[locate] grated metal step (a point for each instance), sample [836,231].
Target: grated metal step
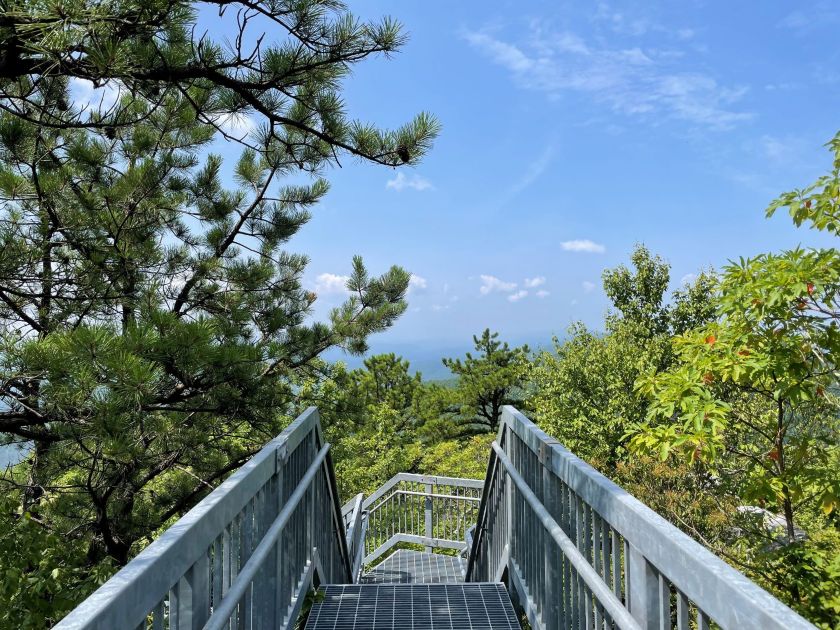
[470,606]
[416,567]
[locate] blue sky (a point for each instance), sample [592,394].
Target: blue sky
[571,131]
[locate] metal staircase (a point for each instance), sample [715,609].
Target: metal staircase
[543,537]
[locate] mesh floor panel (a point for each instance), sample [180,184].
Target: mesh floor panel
[471,606]
[416,567]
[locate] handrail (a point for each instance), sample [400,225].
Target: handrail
[232,544]
[657,573]
[355,535]
[221,615]
[428,510]
[602,592]
[475,540]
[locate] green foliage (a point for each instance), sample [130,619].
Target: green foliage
[155,329]
[583,393]
[283,67]
[382,420]
[41,579]
[752,395]
[487,382]
[368,417]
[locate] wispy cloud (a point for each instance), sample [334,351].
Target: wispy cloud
[533,172]
[331,284]
[515,297]
[588,287]
[542,293]
[635,81]
[400,182]
[532,283]
[637,25]
[583,245]
[417,284]
[820,15]
[491,284]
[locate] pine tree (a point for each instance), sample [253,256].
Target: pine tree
[487,382]
[154,322]
[281,62]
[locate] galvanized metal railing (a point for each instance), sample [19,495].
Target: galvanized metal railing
[579,552]
[245,556]
[435,512]
[355,524]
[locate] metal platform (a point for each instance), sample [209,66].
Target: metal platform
[416,567]
[474,606]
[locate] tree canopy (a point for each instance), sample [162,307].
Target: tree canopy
[283,65]
[155,322]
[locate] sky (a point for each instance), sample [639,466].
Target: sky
[572,131]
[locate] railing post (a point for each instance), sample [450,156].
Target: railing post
[551,576]
[429,528]
[279,564]
[643,589]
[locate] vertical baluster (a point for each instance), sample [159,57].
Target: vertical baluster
[174,606]
[615,543]
[683,611]
[550,557]
[279,556]
[157,621]
[664,603]
[216,593]
[606,559]
[597,538]
[245,553]
[429,524]
[574,594]
[702,620]
[198,578]
[564,563]
[643,589]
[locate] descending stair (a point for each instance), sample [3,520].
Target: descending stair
[416,567]
[412,590]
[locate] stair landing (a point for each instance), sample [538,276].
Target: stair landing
[464,606]
[413,590]
[416,567]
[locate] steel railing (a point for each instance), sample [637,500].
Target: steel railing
[245,556]
[579,552]
[435,512]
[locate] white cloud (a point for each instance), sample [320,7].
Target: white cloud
[583,245]
[415,182]
[819,15]
[416,284]
[688,279]
[504,54]
[440,307]
[86,96]
[489,284]
[634,81]
[533,172]
[237,125]
[330,283]
[515,297]
[542,293]
[588,287]
[533,283]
